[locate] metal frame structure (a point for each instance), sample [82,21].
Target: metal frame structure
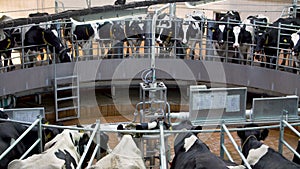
[162,138]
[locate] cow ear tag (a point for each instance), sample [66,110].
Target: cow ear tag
[284,40]
[213,30]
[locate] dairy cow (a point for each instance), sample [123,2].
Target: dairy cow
[193,30]
[267,42]
[37,38]
[295,46]
[244,36]
[191,152]
[7,42]
[223,37]
[168,31]
[135,35]
[125,155]
[11,131]
[260,155]
[64,151]
[81,34]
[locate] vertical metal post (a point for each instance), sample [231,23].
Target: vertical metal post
[40,134]
[98,139]
[222,141]
[295,8]
[163,159]
[281,137]
[278,44]
[152,58]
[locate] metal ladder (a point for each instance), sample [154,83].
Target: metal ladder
[64,110]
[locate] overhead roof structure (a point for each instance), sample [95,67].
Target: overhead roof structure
[89,13]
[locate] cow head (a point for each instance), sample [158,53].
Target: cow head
[243,34]
[94,31]
[185,140]
[295,43]
[260,40]
[247,136]
[51,38]
[117,31]
[151,125]
[192,26]
[3,115]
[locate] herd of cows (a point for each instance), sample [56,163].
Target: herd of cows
[230,38]
[64,148]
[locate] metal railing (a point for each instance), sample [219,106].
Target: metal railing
[202,50]
[37,122]
[95,135]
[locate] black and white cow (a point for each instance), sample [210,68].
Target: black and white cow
[112,37]
[135,35]
[191,152]
[168,35]
[244,35]
[259,155]
[64,151]
[37,38]
[125,155]
[222,35]
[81,34]
[11,131]
[295,46]
[267,41]
[193,30]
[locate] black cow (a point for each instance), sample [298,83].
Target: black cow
[259,155]
[7,42]
[81,34]
[38,38]
[192,153]
[295,158]
[267,41]
[11,131]
[193,30]
[222,35]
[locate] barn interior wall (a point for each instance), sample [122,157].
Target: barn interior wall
[22,8]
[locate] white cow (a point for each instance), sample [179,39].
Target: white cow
[125,155]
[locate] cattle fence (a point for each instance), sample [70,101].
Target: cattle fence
[223,129]
[171,47]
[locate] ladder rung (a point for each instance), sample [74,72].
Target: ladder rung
[67,118]
[66,88]
[67,108]
[65,77]
[67,98]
